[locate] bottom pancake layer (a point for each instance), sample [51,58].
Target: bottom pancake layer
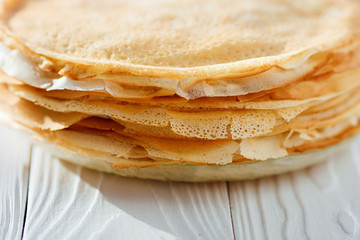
[203,173]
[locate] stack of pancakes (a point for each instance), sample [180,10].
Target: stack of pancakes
[184,90]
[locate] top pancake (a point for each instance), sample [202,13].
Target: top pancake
[179,39]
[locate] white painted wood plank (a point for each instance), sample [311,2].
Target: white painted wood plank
[14,169]
[70,202]
[322,202]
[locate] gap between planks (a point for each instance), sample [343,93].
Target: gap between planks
[27,192]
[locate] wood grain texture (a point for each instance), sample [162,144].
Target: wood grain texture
[322,202]
[15,150]
[70,202]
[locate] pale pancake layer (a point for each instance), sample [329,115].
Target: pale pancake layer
[205,124]
[15,64]
[150,84]
[104,135]
[238,44]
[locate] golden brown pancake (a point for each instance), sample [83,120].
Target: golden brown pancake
[184,90]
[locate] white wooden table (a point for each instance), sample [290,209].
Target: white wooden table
[42,197]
